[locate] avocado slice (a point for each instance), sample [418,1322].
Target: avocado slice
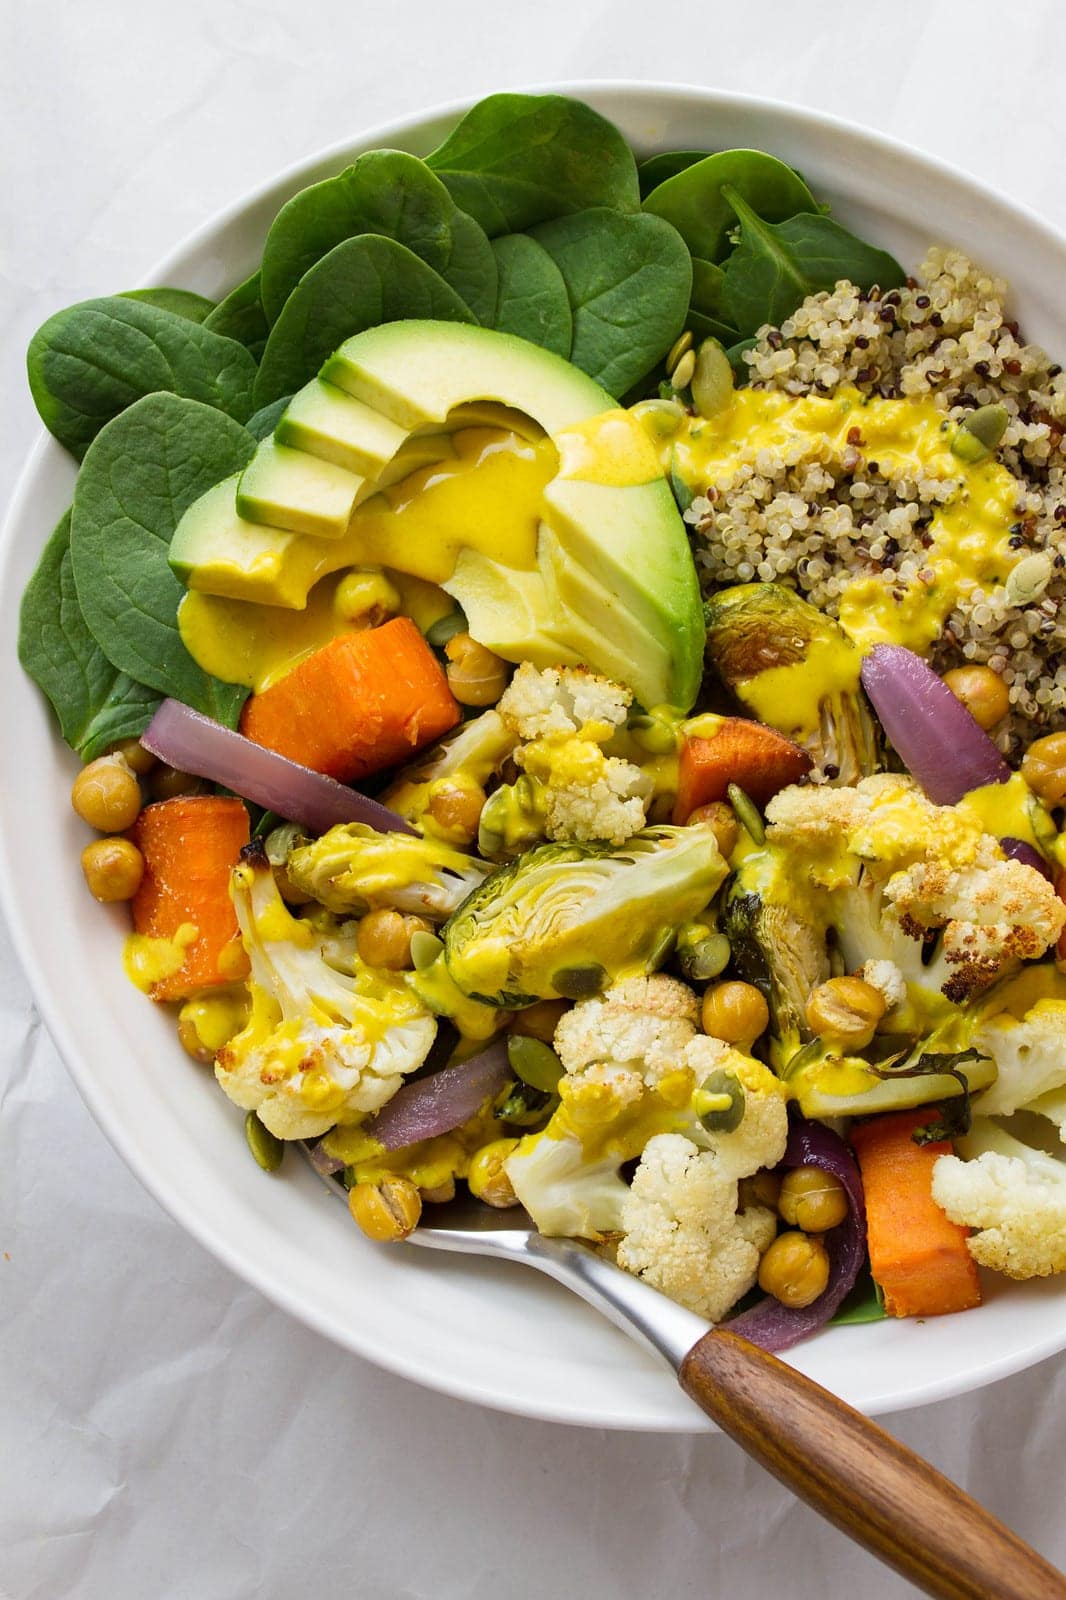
[326,422]
[615,585]
[300,493]
[218,552]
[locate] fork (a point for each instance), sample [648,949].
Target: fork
[848,1469]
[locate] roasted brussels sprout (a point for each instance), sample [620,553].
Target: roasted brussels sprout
[783,954]
[353,868]
[796,670]
[593,912]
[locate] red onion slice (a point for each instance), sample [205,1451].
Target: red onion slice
[441,1102]
[937,739]
[1018,850]
[186,739]
[774,1326]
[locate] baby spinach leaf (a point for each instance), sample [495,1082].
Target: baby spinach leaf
[518,159]
[776,265]
[142,472]
[241,316]
[863,1303]
[735,352]
[91,361]
[704,327]
[708,288]
[262,424]
[629,278]
[359,284]
[182,302]
[94,702]
[694,203]
[384,192]
[667,164]
[531,297]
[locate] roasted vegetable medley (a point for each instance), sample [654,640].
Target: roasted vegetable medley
[546,703]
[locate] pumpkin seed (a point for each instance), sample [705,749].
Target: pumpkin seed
[979,433]
[534,1062]
[747,811]
[712,379]
[438,633]
[425,948]
[680,347]
[719,1102]
[1028,580]
[681,376]
[577,983]
[265,1147]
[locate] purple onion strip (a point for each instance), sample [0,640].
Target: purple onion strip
[1018,850]
[441,1102]
[774,1326]
[935,736]
[322,1161]
[186,739]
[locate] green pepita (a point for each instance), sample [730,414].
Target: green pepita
[681,376]
[705,958]
[712,379]
[438,633]
[979,433]
[1027,581]
[680,347]
[719,1102]
[425,948]
[578,983]
[265,1147]
[534,1062]
[748,814]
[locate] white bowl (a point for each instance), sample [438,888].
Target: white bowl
[473,1329]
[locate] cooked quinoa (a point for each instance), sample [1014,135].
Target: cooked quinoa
[817,515]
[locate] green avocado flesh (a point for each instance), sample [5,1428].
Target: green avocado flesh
[614,585]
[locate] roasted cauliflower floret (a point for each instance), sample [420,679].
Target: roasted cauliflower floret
[637,1031]
[1012,1195]
[562,700]
[682,1230]
[322,1045]
[1028,1045]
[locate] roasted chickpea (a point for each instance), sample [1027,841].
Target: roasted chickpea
[540,1021]
[106,794]
[383,939]
[1044,768]
[386,1210]
[440,1193]
[191,1042]
[735,1012]
[487,1178]
[456,808]
[366,598]
[168,783]
[761,1189]
[134,754]
[982,692]
[795,1269]
[721,820]
[113,869]
[846,1011]
[476,676]
[812,1199]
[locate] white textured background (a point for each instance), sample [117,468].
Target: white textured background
[123,125]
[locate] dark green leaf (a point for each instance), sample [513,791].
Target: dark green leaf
[94,702]
[145,469]
[864,1303]
[359,284]
[518,159]
[708,289]
[241,316]
[531,297]
[776,265]
[182,302]
[710,328]
[91,361]
[629,278]
[667,164]
[263,422]
[694,203]
[735,352]
[384,192]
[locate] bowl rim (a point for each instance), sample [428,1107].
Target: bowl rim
[247,1267]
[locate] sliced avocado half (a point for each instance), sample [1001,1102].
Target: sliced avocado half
[615,586]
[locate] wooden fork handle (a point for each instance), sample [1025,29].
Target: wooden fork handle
[857,1476]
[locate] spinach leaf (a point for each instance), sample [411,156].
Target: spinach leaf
[735,352]
[91,361]
[182,302]
[518,159]
[359,284]
[694,203]
[704,327]
[667,164]
[241,316]
[629,278]
[142,472]
[863,1303]
[94,702]
[531,297]
[775,266]
[708,288]
[262,424]
[384,192]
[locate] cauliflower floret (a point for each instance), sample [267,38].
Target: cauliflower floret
[682,1232]
[1030,1056]
[1013,1195]
[562,700]
[321,1046]
[760,1137]
[991,913]
[887,979]
[584,793]
[639,1027]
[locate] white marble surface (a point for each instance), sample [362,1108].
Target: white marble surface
[134,1467]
